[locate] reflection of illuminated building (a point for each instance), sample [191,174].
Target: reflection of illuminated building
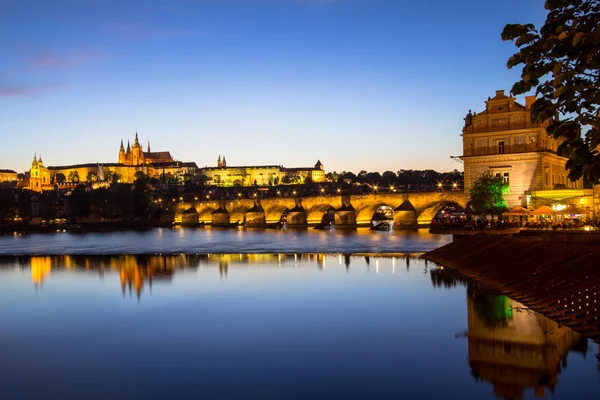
[513,347]
[135,271]
[40,268]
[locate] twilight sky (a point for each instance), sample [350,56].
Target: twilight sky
[359,84]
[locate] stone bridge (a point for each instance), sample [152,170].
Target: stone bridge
[411,210]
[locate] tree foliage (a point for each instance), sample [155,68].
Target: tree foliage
[561,62]
[487,195]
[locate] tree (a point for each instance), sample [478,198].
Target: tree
[73,176]
[91,177]
[561,62]
[60,178]
[487,195]
[108,174]
[139,175]
[80,202]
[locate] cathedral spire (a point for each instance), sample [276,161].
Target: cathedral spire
[35,157]
[148,146]
[137,142]
[219,161]
[122,143]
[128,147]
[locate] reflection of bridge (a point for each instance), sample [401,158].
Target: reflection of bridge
[410,209]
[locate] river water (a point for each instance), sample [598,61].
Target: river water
[226,314]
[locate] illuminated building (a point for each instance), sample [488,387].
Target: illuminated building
[503,141]
[261,175]
[8,175]
[130,162]
[39,175]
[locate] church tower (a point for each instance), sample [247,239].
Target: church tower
[39,175]
[223,163]
[122,159]
[219,164]
[137,153]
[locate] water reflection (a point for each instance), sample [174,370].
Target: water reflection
[510,346]
[140,271]
[515,348]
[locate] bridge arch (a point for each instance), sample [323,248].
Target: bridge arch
[273,214]
[316,213]
[426,214]
[365,214]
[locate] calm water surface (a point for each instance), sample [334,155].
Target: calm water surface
[270,326]
[214,240]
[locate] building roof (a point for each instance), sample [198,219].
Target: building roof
[158,156]
[7,171]
[89,165]
[174,164]
[244,167]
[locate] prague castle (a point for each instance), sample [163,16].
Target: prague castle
[502,140]
[137,156]
[131,161]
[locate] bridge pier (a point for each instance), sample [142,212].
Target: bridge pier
[297,216]
[220,217]
[405,216]
[345,216]
[255,217]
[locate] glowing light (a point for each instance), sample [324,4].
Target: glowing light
[294,192]
[339,190]
[440,185]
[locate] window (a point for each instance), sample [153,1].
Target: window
[501,147]
[505,178]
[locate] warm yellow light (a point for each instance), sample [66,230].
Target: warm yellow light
[454,184]
[196,198]
[339,190]
[180,198]
[239,195]
[439,184]
[375,187]
[294,192]
[254,194]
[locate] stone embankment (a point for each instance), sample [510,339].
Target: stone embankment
[554,273]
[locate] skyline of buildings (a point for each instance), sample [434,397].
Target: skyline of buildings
[335,80]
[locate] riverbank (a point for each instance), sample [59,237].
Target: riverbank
[554,273]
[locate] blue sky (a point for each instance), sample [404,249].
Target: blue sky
[359,84]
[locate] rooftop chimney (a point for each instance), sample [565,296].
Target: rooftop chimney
[499,92]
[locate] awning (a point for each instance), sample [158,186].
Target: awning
[571,209]
[543,210]
[516,211]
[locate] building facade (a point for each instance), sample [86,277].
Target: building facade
[131,161]
[502,140]
[8,175]
[260,175]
